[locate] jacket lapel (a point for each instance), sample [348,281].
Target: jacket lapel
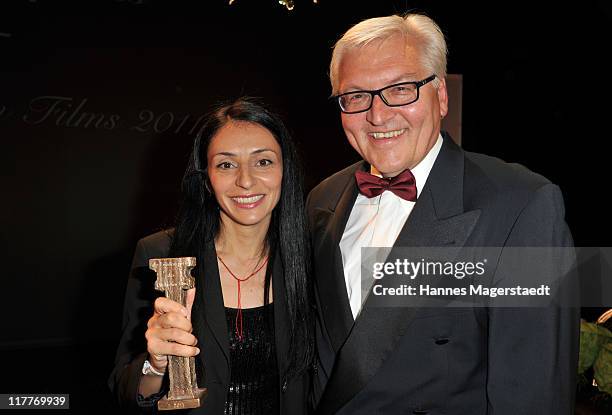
[281,323]
[212,299]
[437,220]
[329,281]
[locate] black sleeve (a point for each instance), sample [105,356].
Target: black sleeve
[533,352]
[131,353]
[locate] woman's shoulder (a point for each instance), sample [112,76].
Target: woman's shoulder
[156,245]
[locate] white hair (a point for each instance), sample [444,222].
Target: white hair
[420,29]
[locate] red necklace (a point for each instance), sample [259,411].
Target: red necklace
[241,280]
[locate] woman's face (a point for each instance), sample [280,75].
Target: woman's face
[245,167]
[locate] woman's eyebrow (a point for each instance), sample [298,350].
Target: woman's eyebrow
[262,150]
[230,154]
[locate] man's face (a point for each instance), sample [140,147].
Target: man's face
[391,139]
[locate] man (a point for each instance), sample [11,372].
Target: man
[388,75]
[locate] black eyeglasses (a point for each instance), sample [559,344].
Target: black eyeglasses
[395,95]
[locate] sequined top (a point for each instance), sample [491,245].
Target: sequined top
[254,385]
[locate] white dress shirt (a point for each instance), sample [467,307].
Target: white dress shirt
[377,222]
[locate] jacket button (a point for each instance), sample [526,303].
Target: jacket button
[284,387]
[315,368]
[440,342]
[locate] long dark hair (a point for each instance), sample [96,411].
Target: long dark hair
[198,220]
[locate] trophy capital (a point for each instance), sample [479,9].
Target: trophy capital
[173,272]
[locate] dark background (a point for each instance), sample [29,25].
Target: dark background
[76,196]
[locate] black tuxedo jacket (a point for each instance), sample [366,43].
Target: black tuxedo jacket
[213,339]
[442,360]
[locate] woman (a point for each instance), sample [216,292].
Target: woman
[242,218]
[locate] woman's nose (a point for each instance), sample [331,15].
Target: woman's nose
[245,179]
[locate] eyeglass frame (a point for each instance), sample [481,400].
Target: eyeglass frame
[378,92]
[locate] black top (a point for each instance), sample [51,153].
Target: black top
[254,385]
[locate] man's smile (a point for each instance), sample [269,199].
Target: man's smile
[387,134]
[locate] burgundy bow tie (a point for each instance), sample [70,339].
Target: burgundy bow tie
[403,185]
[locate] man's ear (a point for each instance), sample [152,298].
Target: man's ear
[443,98]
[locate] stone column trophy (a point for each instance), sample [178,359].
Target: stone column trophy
[174,278]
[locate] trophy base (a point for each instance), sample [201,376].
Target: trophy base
[183,402]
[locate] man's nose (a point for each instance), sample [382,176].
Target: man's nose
[379,113]
[245,178]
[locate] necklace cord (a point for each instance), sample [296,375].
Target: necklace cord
[239,332]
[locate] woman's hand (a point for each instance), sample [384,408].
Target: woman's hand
[169,331]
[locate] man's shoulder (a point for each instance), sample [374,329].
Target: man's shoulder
[330,189]
[487,172]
